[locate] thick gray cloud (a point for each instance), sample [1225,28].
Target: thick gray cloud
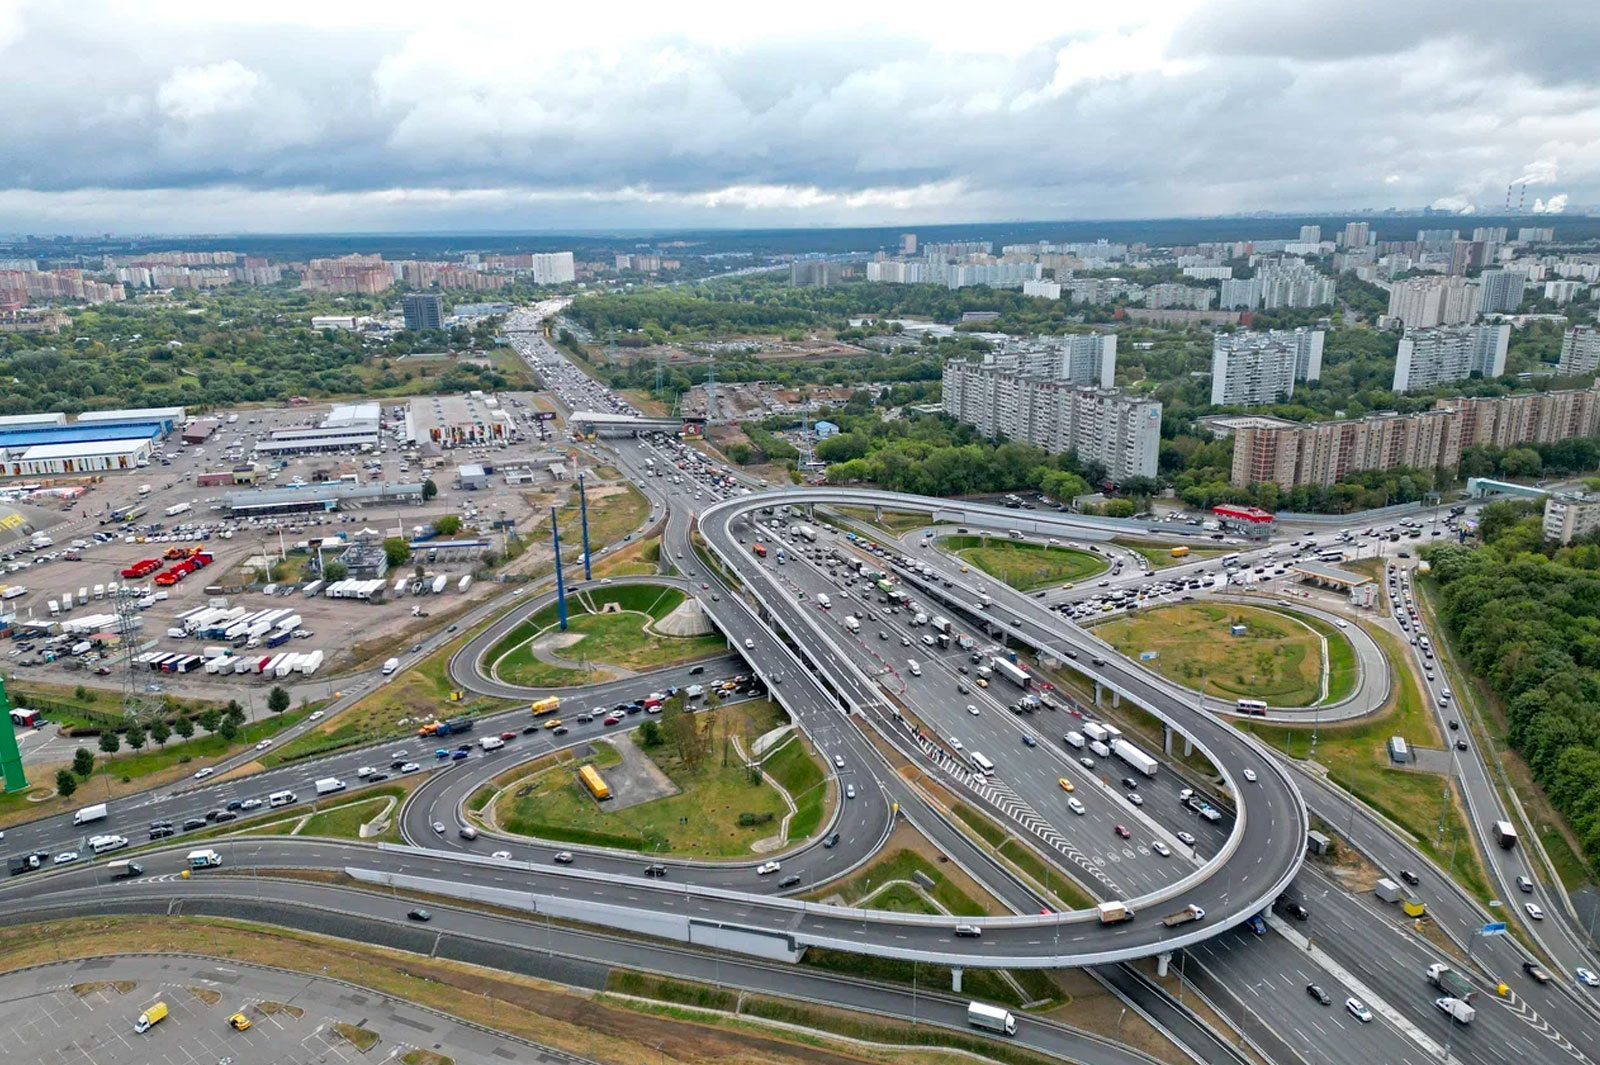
[161,117]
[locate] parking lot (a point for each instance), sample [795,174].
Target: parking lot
[83,1013]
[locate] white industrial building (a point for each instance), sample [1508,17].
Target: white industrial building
[347,427]
[459,421]
[87,456]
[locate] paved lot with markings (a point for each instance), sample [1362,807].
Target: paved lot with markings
[83,1013]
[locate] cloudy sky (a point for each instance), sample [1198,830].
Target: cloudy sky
[345,115]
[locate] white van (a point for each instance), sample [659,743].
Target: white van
[916,668]
[101,844]
[1099,748]
[280,798]
[491,743]
[326,786]
[824,601]
[1073,739]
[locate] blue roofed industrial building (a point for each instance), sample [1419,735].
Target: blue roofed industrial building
[34,445]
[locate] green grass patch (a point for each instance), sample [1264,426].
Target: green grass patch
[1277,659]
[1026,566]
[701,820]
[664,989]
[793,767]
[1051,879]
[882,1031]
[986,984]
[1159,555]
[900,866]
[344,822]
[986,829]
[202,748]
[894,521]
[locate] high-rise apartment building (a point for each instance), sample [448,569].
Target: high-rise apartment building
[1536,235]
[1429,357]
[1424,302]
[1490,234]
[423,310]
[1192,297]
[1293,283]
[1120,431]
[1241,294]
[1251,369]
[1356,235]
[816,273]
[1501,291]
[1568,516]
[1076,358]
[1310,234]
[1323,453]
[1580,351]
[552,268]
[908,244]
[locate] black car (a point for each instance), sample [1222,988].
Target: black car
[1461,745]
[696,671]
[528,730]
[789,881]
[419,915]
[162,832]
[1409,877]
[559,730]
[212,815]
[374,778]
[1130,783]
[1297,911]
[397,763]
[226,815]
[1316,992]
[193,823]
[236,804]
[832,840]
[655,870]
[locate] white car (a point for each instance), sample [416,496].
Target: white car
[365,771]
[850,791]
[1135,798]
[973,710]
[1250,775]
[203,773]
[263,745]
[250,804]
[1161,848]
[504,856]
[1534,910]
[316,715]
[767,867]
[66,856]
[410,767]
[1586,977]
[1358,1010]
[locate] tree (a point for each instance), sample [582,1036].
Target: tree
[429,489]
[184,727]
[210,719]
[335,571]
[110,743]
[649,734]
[448,525]
[160,731]
[278,699]
[83,762]
[66,783]
[228,729]
[137,737]
[396,551]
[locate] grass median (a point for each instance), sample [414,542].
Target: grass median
[1025,566]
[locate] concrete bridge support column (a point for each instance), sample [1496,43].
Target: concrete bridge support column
[1166,739]
[955,980]
[1097,691]
[1188,748]
[1116,698]
[1163,963]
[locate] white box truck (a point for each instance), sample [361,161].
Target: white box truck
[97,812]
[991,1019]
[390,666]
[329,785]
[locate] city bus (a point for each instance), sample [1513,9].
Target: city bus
[982,764]
[547,705]
[1179,552]
[1253,706]
[592,780]
[1229,561]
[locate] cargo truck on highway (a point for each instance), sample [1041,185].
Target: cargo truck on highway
[204,859]
[1184,916]
[1114,912]
[991,1019]
[1134,757]
[390,666]
[97,812]
[1011,671]
[1505,835]
[1457,1009]
[1451,982]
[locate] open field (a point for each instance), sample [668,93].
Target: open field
[617,639]
[1278,659]
[1026,566]
[701,820]
[894,521]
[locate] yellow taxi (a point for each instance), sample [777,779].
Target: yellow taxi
[1066,785]
[553,723]
[238,1022]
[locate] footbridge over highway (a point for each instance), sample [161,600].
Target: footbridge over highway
[605,423]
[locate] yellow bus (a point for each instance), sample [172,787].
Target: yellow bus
[546,705]
[591,780]
[1179,552]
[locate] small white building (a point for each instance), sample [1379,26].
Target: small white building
[87,456]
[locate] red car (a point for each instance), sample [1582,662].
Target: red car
[508,735]
[613,719]
[1123,832]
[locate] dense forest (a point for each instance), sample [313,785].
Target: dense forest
[1525,614]
[237,345]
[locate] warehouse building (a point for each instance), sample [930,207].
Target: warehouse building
[458,421]
[199,430]
[167,417]
[472,477]
[31,421]
[86,456]
[347,427]
[365,560]
[327,496]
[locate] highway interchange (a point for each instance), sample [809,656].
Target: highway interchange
[856,698]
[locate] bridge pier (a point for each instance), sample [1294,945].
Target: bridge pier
[1097,691]
[1163,962]
[955,980]
[1116,698]
[1166,739]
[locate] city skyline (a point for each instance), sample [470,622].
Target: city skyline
[405,118]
